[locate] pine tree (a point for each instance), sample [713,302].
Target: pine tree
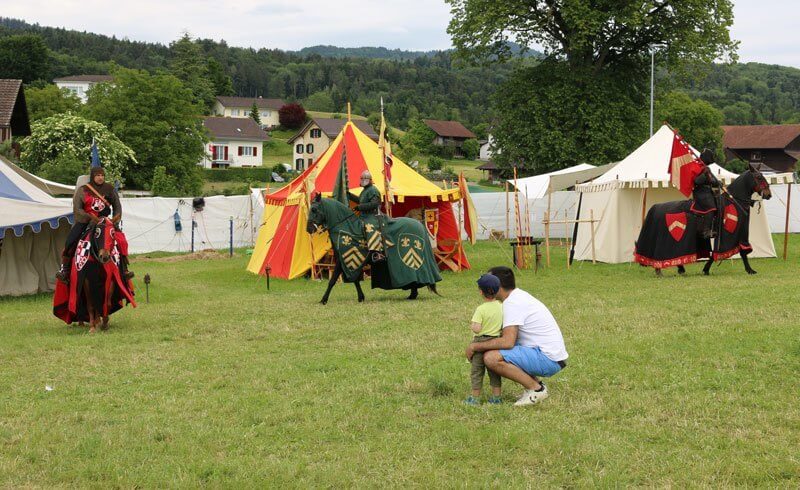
[254,115]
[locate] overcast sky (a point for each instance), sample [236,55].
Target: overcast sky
[766,28]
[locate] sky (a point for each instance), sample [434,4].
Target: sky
[766,28]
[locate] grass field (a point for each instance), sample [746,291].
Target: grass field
[680,381]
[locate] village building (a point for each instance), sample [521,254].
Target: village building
[241,107]
[14,121]
[777,147]
[79,85]
[450,133]
[235,142]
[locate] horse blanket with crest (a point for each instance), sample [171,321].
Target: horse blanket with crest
[403,241]
[670,235]
[108,290]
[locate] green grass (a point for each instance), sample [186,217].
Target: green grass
[334,115]
[680,381]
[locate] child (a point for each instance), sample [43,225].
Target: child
[487,324]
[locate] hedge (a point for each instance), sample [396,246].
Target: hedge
[255,174]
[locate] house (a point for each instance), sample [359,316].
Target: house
[775,146]
[486,152]
[449,133]
[80,84]
[235,142]
[317,135]
[241,107]
[491,172]
[13,111]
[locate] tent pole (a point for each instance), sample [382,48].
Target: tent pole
[547,222]
[517,218]
[508,233]
[575,229]
[644,198]
[786,226]
[460,245]
[591,223]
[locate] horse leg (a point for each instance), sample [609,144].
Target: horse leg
[746,263]
[707,267]
[90,307]
[104,326]
[359,291]
[414,293]
[658,272]
[337,272]
[681,270]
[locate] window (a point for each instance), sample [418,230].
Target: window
[299,148]
[755,156]
[316,133]
[298,164]
[310,161]
[246,151]
[234,112]
[265,114]
[219,152]
[309,148]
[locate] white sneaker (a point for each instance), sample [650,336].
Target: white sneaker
[531,397]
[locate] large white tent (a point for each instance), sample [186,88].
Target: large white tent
[620,197]
[33,227]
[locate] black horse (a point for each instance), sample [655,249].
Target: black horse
[408,261]
[671,237]
[97,286]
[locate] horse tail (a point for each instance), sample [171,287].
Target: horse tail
[432,288]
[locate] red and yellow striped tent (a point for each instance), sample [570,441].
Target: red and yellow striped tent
[288,250]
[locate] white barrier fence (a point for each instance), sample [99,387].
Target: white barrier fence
[149,222]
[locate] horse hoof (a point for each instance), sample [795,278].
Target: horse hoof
[412,297]
[93,330]
[658,273]
[706,273]
[104,326]
[752,272]
[323,302]
[361,299]
[681,271]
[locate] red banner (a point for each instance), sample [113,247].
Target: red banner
[684,166]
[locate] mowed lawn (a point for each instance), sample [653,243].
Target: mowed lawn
[678,381]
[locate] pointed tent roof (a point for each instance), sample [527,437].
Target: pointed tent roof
[26,205]
[283,244]
[362,154]
[647,166]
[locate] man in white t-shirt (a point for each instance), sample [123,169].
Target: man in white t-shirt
[531,345]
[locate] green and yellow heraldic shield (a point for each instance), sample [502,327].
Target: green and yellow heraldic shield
[351,250]
[411,248]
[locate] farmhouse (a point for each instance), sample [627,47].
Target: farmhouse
[80,84]
[775,146]
[449,133]
[13,111]
[241,107]
[235,142]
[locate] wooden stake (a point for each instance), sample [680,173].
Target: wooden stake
[518,217]
[786,226]
[591,223]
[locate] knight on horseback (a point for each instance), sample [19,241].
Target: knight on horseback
[706,196]
[91,202]
[369,207]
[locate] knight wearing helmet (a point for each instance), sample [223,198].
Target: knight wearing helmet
[369,206]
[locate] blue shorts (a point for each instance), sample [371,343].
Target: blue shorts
[531,360]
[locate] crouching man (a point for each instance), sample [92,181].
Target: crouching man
[531,345]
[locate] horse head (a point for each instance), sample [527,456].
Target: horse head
[102,240]
[316,216]
[760,184]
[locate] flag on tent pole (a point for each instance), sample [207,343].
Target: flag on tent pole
[340,188]
[684,166]
[95,156]
[470,215]
[386,152]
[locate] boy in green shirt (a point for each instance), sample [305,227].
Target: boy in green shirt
[487,324]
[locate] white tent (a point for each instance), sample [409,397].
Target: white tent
[48,186]
[537,186]
[33,227]
[620,197]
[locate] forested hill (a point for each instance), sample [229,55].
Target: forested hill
[413,83]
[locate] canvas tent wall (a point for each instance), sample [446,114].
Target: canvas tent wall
[537,186]
[289,251]
[620,197]
[33,227]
